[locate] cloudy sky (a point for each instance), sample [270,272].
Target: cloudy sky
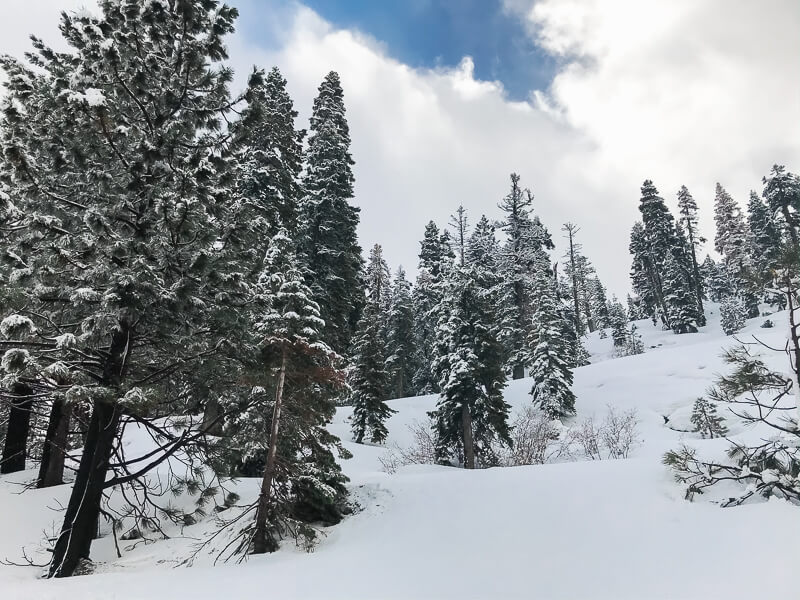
[584,98]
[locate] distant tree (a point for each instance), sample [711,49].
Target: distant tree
[521,257]
[731,241]
[618,322]
[687,209]
[435,259]
[765,240]
[369,379]
[402,357]
[733,314]
[550,370]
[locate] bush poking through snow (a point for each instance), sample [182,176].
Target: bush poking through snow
[616,437]
[421,452]
[536,440]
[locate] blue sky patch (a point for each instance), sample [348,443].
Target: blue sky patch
[438,33]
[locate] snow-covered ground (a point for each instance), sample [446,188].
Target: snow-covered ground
[607,529]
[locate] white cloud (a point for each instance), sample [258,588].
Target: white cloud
[682,92]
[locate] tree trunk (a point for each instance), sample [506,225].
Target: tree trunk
[698,286]
[51,469]
[212,421]
[19,423]
[261,543]
[83,509]
[80,520]
[518,372]
[573,270]
[469,444]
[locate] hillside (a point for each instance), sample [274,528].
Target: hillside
[616,529]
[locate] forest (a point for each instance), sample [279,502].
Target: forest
[180,264]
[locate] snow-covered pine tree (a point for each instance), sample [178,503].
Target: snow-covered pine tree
[550,363]
[765,240]
[687,211]
[114,158]
[269,154]
[329,221]
[782,194]
[618,322]
[579,356]
[654,243]
[435,258]
[284,419]
[679,297]
[471,415]
[635,310]
[523,254]
[599,303]
[705,419]
[633,341]
[402,356]
[716,280]
[369,380]
[573,273]
[733,314]
[731,241]
[643,273]
[682,252]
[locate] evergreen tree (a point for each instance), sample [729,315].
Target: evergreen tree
[635,310]
[401,362]
[269,157]
[663,273]
[550,370]
[706,420]
[731,241]
[573,272]
[460,226]
[782,194]
[682,253]
[633,342]
[643,275]
[618,322]
[435,259]
[329,220]
[471,414]
[687,209]
[523,255]
[717,280]
[301,481]
[733,314]
[658,241]
[369,379]
[765,239]
[115,158]
[599,303]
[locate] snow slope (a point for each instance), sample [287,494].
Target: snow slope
[593,529]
